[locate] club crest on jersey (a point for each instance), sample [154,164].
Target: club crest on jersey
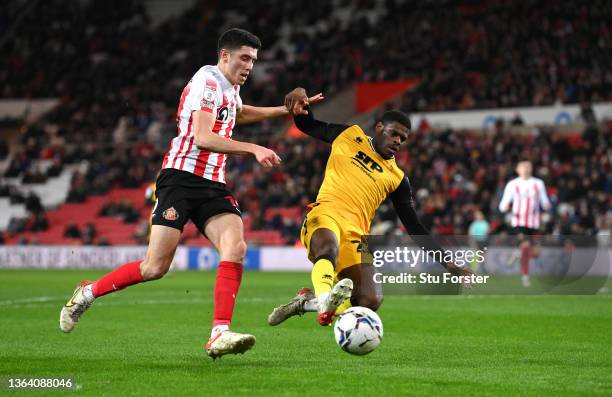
[170,214]
[209,94]
[210,91]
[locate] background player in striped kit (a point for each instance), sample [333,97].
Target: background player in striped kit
[191,185]
[527,195]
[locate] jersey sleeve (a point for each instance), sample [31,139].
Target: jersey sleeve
[208,93]
[404,207]
[507,197]
[544,200]
[318,129]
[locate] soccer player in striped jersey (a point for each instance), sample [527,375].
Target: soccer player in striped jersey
[527,195]
[191,185]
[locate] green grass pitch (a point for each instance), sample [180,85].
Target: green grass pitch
[147,341]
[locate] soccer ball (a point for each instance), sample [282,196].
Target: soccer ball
[358,330]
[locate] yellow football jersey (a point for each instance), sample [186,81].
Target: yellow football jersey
[357,179]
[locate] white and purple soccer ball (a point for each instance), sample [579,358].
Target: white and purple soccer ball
[358,330]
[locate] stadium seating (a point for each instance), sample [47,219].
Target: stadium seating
[113,229]
[120,126]
[10,211]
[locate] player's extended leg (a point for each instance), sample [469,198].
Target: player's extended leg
[323,247]
[225,231]
[323,252]
[366,292]
[162,245]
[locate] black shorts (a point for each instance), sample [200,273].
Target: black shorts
[182,196]
[524,233]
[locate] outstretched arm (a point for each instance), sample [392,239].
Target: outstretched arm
[204,138]
[299,104]
[253,114]
[294,105]
[318,129]
[404,207]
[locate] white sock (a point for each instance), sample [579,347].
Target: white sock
[321,298]
[88,294]
[219,328]
[311,305]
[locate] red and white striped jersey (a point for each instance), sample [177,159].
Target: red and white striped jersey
[209,91]
[527,197]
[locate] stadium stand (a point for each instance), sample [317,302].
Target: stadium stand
[118,76]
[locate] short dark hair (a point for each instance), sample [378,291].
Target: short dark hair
[235,38]
[397,116]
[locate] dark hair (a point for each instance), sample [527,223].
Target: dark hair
[397,116]
[235,38]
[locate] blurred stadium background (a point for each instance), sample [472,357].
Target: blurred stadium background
[89,95]
[88,98]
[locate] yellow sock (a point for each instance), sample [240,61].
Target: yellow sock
[345,305]
[322,276]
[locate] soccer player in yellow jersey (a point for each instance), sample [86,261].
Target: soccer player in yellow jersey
[361,173]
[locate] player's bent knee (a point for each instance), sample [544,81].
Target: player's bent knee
[327,249]
[239,249]
[234,252]
[372,302]
[323,244]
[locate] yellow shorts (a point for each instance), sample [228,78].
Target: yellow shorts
[347,234]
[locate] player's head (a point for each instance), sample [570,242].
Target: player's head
[237,50]
[524,169]
[392,130]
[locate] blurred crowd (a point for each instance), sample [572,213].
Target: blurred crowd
[108,59]
[118,77]
[458,177]
[455,175]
